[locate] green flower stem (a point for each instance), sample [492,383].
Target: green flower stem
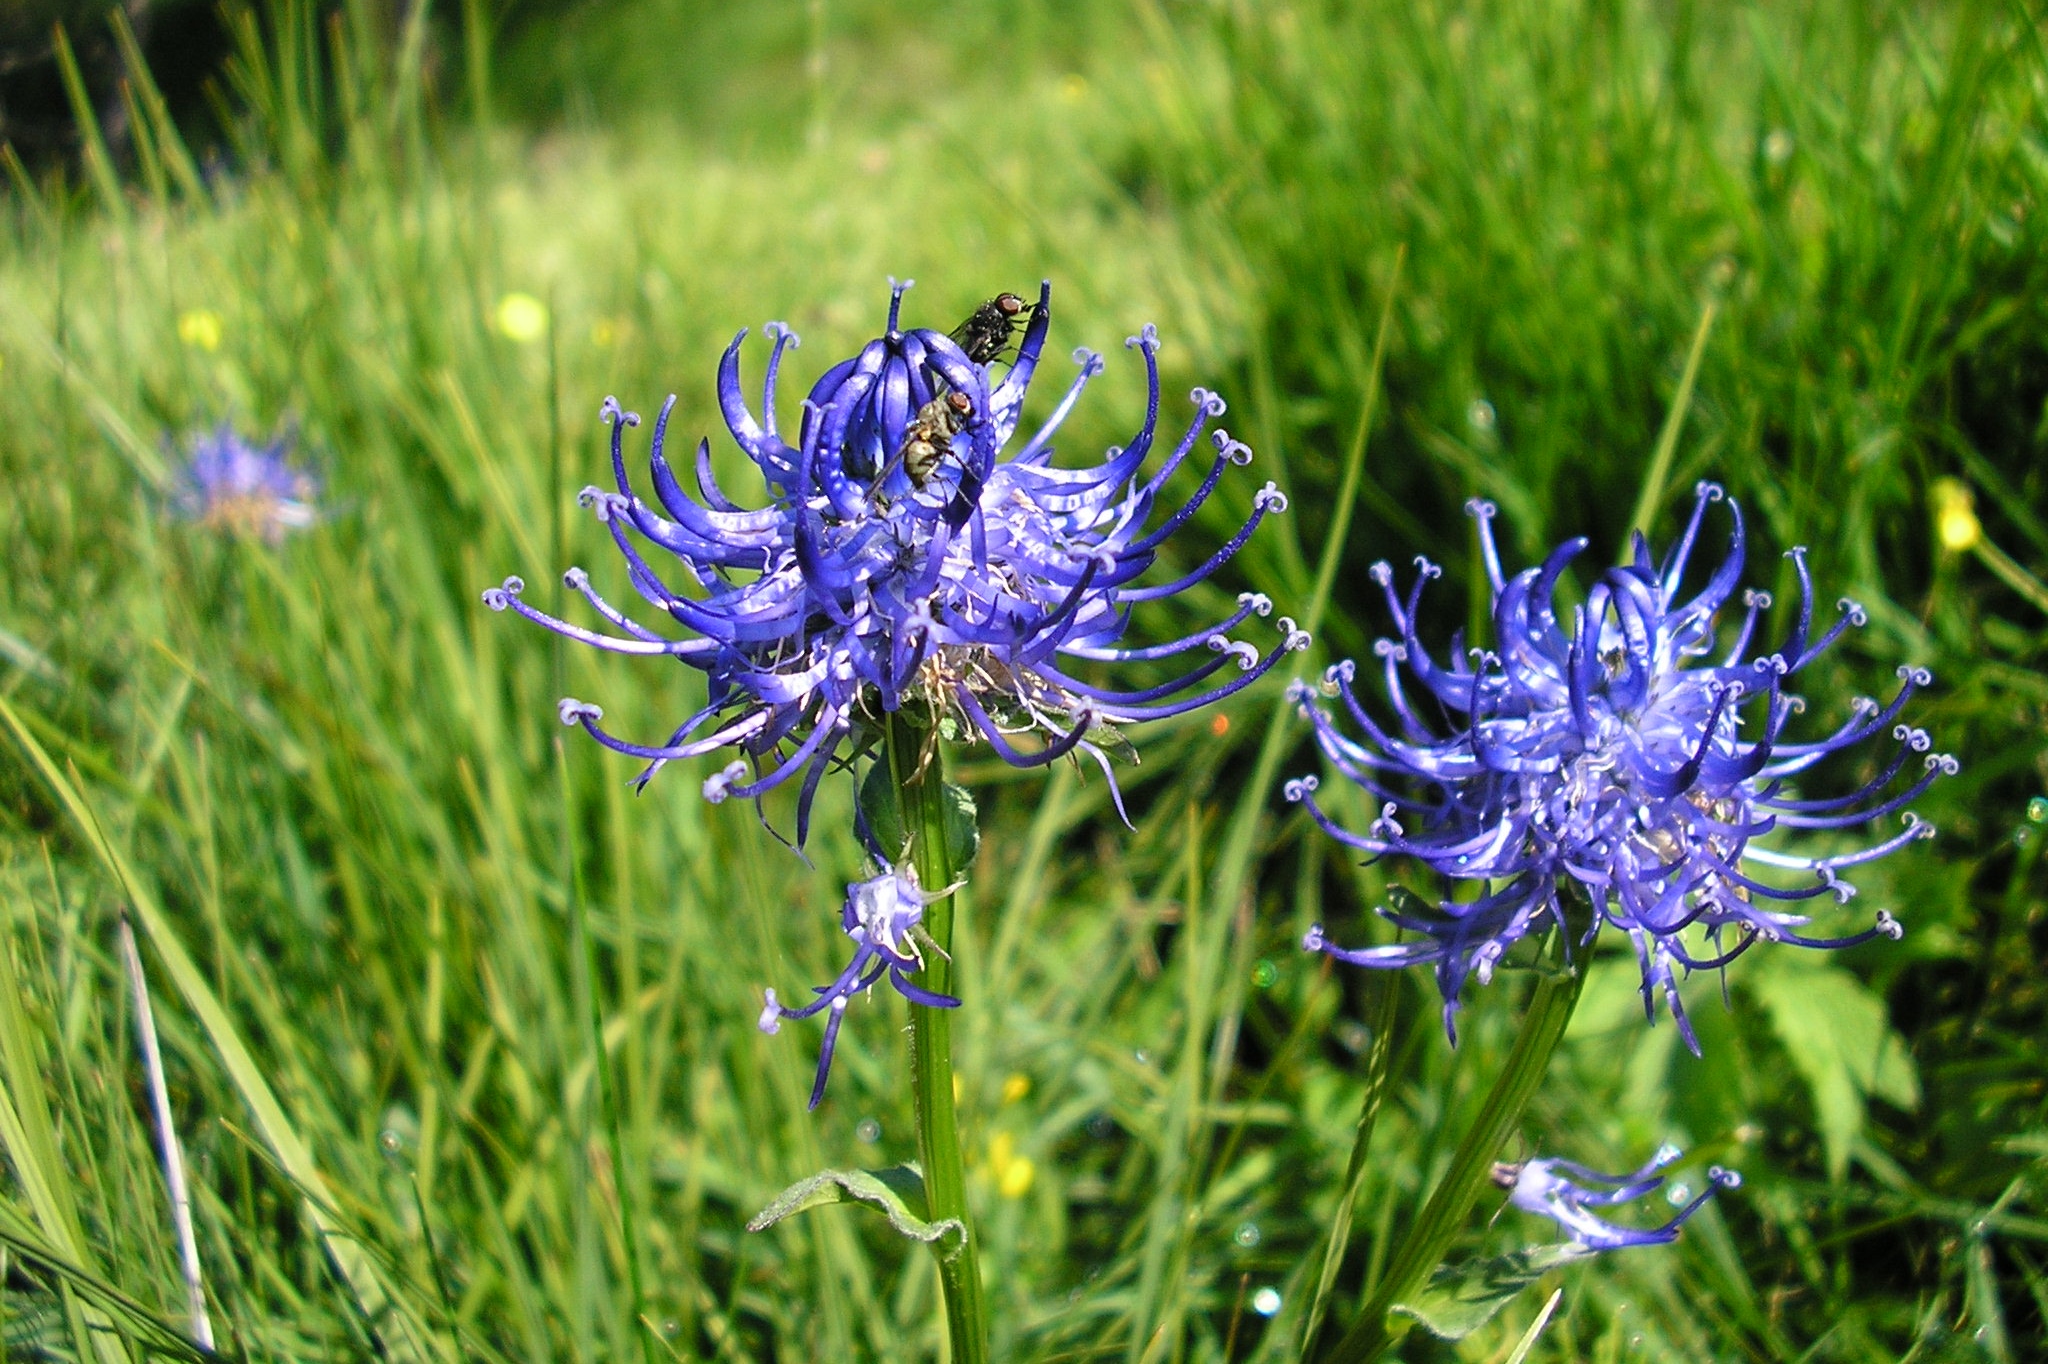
[1386,1004]
[920,791]
[1557,994]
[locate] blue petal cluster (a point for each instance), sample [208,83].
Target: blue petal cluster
[1558,1189]
[1622,745]
[884,916]
[911,551]
[227,484]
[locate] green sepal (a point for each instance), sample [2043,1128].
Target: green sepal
[878,801]
[1115,743]
[1462,1298]
[896,1192]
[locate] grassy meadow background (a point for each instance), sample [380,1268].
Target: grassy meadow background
[369,868]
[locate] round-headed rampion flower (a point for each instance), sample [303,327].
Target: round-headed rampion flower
[910,553]
[227,484]
[1619,747]
[1557,1189]
[885,918]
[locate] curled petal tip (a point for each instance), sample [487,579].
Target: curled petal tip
[1299,790]
[1944,763]
[1247,654]
[575,578]
[1259,602]
[569,710]
[1270,498]
[1890,926]
[1211,404]
[1313,940]
[1727,1179]
[1709,492]
[1479,509]
[1919,677]
[1147,337]
[771,1014]
[500,597]
[1230,448]
[1342,671]
[719,784]
[1381,572]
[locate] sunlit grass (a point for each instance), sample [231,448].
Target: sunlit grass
[337,773]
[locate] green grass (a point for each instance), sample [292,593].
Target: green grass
[333,780]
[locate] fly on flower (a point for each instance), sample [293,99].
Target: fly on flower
[1564,1191]
[1634,746]
[912,552]
[227,484]
[884,916]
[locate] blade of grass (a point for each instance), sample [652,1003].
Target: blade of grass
[1661,455]
[167,1135]
[406,1337]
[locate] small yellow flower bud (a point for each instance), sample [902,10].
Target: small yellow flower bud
[1015,1088]
[200,327]
[1013,1173]
[521,317]
[1955,516]
[1014,1181]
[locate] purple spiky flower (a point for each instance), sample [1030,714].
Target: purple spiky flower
[910,554]
[1623,746]
[884,916]
[227,484]
[1559,1189]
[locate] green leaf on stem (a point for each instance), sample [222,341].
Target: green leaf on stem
[1462,1298]
[896,1192]
[963,825]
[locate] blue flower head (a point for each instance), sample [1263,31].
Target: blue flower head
[884,916]
[1629,746]
[914,552]
[1560,1189]
[227,484]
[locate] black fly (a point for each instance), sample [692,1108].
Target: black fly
[989,329]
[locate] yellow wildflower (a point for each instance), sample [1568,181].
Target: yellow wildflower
[521,317]
[200,327]
[1955,516]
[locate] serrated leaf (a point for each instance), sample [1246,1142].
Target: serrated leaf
[896,1192]
[1462,1298]
[1836,1034]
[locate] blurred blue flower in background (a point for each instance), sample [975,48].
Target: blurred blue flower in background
[227,484]
[909,554]
[1616,746]
[1559,1189]
[884,916]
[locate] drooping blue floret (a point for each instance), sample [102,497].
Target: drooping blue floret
[911,550]
[1558,1189]
[884,916]
[1634,745]
[226,483]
